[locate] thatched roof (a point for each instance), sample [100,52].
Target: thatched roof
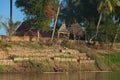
[76,29]
[63,28]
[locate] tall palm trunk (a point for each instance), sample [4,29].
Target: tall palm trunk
[10,9]
[10,21]
[56,21]
[97,29]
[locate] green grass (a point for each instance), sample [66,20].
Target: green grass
[44,66]
[4,46]
[3,67]
[112,59]
[30,45]
[32,63]
[62,56]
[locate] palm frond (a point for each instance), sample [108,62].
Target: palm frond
[15,25]
[13,28]
[4,26]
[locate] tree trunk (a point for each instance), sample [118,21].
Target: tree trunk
[11,10]
[115,36]
[9,37]
[38,35]
[74,37]
[55,21]
[97,29]
[10,21]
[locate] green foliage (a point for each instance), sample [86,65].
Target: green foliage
[4,46]
[88,12]
[105,7]
[118,37]
[30,45]
[44,65]
[36,16]
[75,11]
[112,59]
[10,27]
[68,11]
[32,63]
[90,29]
[3,67]
[107,30]
[63,56]
[79,10]
[115,2]
[65,43]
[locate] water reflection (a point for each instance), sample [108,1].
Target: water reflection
[62,76]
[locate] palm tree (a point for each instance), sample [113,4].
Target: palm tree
[10,9]
[11,27]
[105,7]
[10,20]
[56,20]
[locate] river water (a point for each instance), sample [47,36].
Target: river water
[62,76]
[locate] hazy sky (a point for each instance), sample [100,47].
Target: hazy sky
[4,13]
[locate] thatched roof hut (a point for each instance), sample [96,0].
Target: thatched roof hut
[76,30]
[63,30]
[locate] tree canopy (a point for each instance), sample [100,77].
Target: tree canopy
[97,16]
[38,12]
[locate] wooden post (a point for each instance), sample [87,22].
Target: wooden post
[58,35]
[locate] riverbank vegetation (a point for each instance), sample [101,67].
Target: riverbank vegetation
[112,60]
[98,38]
[43,59]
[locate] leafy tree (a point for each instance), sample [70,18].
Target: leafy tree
[76,11]
[90,29]
[68,11]
[80,11]
[97,15]
[38,12]
[117,18]
[105,7]
[107,29]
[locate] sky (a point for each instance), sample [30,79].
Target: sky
[5,13]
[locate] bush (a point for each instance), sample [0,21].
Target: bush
[65,43]
[31,63]
[112,59]
[2,68]
[48,42]
[44,65]
[4,46]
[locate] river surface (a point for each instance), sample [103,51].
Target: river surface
[62,76]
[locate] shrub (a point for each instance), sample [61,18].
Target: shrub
[4,46]
[45,65]
[65,43]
